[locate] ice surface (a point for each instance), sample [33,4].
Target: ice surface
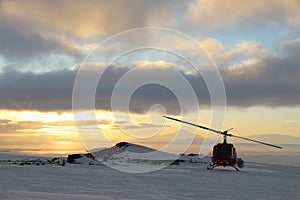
[173,182]
[185,181]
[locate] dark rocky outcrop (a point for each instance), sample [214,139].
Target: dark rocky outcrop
[122,145]
[71,158]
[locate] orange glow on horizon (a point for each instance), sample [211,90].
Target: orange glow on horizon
[55,133]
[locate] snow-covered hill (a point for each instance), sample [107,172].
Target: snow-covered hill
[122,154]
[125,156]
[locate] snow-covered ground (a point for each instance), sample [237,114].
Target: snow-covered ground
[184,181]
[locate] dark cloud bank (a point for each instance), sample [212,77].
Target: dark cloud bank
[274,82]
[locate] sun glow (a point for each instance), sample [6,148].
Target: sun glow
[56,133]
[35,116]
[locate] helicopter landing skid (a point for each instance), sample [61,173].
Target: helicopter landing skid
[212,166]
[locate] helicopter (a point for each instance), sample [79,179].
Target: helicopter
[224,154]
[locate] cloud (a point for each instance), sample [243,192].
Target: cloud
[92,18]
[9,126]
[243,54]
[62,32]
[37,33]
[36,91]
[274,83]
[263,79]
[290,121]
[13,126]
[213,14]
[292,47]
[22,45]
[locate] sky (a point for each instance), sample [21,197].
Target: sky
[254,45]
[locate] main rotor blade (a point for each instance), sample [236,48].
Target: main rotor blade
[272,145]
[199,126]
[223,133]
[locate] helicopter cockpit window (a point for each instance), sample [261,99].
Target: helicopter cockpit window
[223,150]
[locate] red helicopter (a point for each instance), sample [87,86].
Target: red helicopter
[224,154]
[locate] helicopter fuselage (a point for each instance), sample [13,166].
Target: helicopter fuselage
[224,154]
